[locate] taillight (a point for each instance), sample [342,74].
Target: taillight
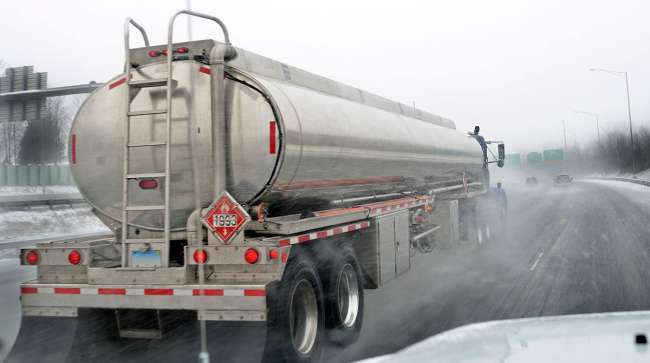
[251,256]
[182,50]
[32,257]
[153,53]
[74,257]
[273,254]
[148,184]
[164,51]
[200,256]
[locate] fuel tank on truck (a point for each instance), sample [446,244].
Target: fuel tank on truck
[293,139]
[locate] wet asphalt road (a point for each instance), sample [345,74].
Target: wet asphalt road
[580,249]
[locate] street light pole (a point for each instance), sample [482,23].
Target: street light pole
[629,118]
[629,109]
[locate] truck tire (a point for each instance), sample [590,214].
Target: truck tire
[344,298]
[295,327]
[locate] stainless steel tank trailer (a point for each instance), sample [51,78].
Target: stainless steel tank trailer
[240,188]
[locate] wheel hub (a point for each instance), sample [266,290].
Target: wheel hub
[303,317]
[348,296]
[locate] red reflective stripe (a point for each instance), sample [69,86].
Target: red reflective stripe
[321,234]
[159,291]
[337,230]
[251,292]
[205,70]
[352,227]
[284,242]
[67,290]
[117,83]
[303,238]
[73,148]
[272,137]
[28,290]
[208,292]
[365,224]
[105,291]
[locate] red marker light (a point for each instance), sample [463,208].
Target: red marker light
[32,257]
[182,50]
[273,254]
[74,257]
[164,51]
[153,53]
[251,256]
[200,256]
[148,184]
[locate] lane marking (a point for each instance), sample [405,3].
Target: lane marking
[539,257]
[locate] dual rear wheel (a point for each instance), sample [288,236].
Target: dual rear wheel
[311,306]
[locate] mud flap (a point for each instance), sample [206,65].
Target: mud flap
[93,337]
[57,332]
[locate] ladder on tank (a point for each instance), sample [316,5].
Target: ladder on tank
[129,175]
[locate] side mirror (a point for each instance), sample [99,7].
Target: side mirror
[502,155]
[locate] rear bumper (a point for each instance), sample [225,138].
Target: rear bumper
[213,302]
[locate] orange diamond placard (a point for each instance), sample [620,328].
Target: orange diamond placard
[225,218]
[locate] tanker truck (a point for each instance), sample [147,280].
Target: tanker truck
[241,189]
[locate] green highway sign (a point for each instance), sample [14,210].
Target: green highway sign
[534,158]
[553,155]
[513,160]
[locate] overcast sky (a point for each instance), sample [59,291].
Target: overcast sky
[517,68]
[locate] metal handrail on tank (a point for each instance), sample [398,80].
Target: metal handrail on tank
[230,51]
[127,38]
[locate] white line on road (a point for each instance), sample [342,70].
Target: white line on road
[539,257]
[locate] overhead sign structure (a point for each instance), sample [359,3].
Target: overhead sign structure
[553,155]
[225,218]
[23,93]
[534,158]
[20,79]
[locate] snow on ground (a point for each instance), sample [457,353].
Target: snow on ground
[32,190]
[45,222]
[635,193]
[644,175]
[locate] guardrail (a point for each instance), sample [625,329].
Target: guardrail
[628,180]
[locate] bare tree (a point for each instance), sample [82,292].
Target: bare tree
[5,132]
[43,140]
